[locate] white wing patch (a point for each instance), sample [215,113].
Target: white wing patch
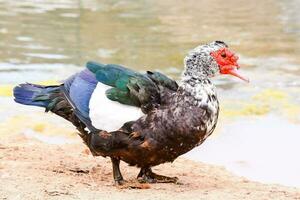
[110,115]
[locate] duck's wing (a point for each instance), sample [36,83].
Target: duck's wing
[129,87]
[107,96]
[78,90]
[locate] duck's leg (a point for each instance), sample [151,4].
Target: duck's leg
[146,175]
[116,171]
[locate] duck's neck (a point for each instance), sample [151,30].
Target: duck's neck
[200,89]
[196,78]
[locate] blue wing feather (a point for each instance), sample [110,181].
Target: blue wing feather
[80,88]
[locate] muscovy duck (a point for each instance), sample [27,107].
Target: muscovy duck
[141,119]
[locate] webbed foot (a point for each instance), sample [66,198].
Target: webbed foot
[147,176]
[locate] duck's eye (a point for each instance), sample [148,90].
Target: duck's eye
[223,54]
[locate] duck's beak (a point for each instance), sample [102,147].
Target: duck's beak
[234,72]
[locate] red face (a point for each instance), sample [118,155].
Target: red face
[227,62]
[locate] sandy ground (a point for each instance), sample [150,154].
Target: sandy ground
[30,169]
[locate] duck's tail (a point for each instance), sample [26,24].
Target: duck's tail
[37,95]
[52,99]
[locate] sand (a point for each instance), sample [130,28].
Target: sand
[30,169]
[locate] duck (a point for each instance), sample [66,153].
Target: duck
[143,119]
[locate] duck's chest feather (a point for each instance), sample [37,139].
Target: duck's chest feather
[201,95]
[169,132]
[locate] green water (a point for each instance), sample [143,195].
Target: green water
[143,34]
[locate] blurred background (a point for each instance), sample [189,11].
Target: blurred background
[258,133]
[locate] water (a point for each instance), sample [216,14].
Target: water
[264,151]
[144,34]
[46,41]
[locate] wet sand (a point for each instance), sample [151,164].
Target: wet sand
[31,169]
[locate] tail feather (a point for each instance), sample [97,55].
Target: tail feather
[34,95]
[53,99]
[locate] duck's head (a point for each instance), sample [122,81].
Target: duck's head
[210,60]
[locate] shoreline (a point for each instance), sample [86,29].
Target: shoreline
[31,169]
